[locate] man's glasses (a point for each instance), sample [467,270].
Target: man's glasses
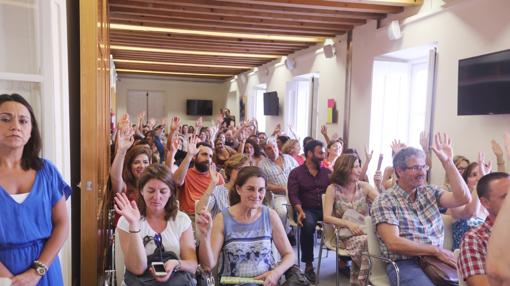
[417,168]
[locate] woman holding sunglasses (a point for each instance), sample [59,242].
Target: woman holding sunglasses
[154,230]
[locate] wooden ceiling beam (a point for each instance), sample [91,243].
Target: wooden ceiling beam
[187,59]
[204,39]
[232,28]
[220,47]
[180,69]
[322,5]
[147,44]
[244,16]
[401,3]
[199,6]
[176,75]
[297,28]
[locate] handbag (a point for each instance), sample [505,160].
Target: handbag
[439,272]
[294,277]
[352,216]
[178,278]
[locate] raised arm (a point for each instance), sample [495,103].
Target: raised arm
[498,152]
[460,194]
[211,238]
[204,199]
[366,163]
[324,132]
[180,173]
[124,142]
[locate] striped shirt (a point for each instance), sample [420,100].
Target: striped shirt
[418,220]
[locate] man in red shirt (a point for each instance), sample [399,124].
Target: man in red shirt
[194,181]
[492,189]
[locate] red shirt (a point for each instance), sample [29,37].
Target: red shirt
[195,185]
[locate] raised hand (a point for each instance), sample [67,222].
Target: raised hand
[192,145]
[506,138]
[396,146]
[424,141]
[496,149]
[214,174]
[368,154]
[204,222]
[127,209]
[152,123]
[175,123]
[485,168]
[125,138]
[199,123]
[324,130]
[124,122]
[443,147]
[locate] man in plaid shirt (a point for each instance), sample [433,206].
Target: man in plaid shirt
[407,218]
[491,189]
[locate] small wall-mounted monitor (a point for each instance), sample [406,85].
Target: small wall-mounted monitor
[199,107]
[484,84]
[271,103]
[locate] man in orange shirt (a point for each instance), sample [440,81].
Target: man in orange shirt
[194,181]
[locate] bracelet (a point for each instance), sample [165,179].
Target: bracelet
[134,231]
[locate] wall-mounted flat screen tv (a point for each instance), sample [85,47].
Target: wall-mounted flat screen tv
[484,84]
[271,103]
[199,107]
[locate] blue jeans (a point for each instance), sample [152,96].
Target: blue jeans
[307,231]
[410,274]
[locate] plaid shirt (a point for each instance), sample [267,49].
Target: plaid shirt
[418,220]
[276,174]
[473,250]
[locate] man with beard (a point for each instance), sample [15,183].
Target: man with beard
[305,186]
[407,217]
[194,181]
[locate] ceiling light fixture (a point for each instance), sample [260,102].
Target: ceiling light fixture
[179,64]
[189,52]
[174,73]
[114,26]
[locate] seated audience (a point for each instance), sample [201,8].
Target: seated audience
[333,151]
[348,193]
[281,140]
[305,186]
[492,190]
[277,168]
[407,217]
[195,180]
[128,164]
[472,214]
[293,149]
[244,233]
[222,153]
[215,198]
[253,151]
[154,230]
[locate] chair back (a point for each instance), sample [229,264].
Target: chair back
[120,268]
[456,253]
[378,274]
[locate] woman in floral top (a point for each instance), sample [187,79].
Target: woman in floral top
[348,193]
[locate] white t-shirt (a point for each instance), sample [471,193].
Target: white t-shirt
[170,236]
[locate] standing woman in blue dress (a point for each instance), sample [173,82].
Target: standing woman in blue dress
[33,216]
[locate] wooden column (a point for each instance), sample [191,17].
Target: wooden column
[95,130]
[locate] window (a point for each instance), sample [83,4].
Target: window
[256,106]
[401,93]
[298,105]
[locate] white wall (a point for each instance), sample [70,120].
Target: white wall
[464,29]
[331,83]
[177,92]
[461,29]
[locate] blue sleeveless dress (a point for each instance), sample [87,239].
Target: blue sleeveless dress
[247,248]
[25,227]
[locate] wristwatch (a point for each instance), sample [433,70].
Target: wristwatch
[40,268]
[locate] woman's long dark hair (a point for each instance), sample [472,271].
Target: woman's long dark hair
[30,158]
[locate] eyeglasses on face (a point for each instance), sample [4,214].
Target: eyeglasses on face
[417,168]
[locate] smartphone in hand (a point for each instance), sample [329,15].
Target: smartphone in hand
[159,268]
